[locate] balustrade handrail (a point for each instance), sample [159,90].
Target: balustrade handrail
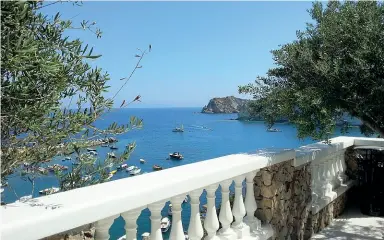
[89,204]
[67,210]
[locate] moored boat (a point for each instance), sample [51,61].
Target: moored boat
[113,147]
[68,158]
[91,149]
[157,167]
[49,191]
[185,199]
[122,166]
[176,155]
[130,168]
[165,224]
[142,160]
[111,155]
[135,171]
[113,172]
[145,236]
[178,129]
[273,130]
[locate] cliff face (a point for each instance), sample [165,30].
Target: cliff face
[225,105]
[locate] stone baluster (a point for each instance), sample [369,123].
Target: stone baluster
[211,223]
[238,210]
[226,217]
[322,183]
[195,229]
[177,232]
[130,219]
[250,204]
[102,228]
[155,209]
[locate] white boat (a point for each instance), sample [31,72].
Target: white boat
[273,130]
[2,190]
[130,168]
[170,209]
[49,191]
[91,149]
[135,171]
[145,236]
[142,160]
[178,129]
[68,158]
[165,224]
[185,199]
[122,166]
[25,198]
[111,155]
[109,176]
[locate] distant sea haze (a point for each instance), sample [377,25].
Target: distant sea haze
[206,136]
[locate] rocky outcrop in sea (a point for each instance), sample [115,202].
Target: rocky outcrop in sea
[229,104]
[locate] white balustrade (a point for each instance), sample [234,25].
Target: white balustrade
[102,228]
[211,223]
[177,232]
[107,201]
[130,219]
[238,209]
[155,217]
[195,229]
[225,216]
[250,203]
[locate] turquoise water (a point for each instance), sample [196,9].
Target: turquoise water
[206,136]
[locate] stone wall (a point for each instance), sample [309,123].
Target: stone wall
[324,217]
[283,196]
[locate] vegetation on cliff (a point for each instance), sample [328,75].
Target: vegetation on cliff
[334,67]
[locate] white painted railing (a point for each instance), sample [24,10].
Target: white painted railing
[102,203]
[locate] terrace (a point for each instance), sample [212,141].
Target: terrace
[278,192]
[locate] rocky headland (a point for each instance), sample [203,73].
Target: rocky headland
[228,104]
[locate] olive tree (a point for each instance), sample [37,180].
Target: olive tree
[335,66]
[51,96]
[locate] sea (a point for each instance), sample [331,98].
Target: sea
[205,136]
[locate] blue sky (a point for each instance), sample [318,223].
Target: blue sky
[200,50]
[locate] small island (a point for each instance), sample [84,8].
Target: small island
[228,104]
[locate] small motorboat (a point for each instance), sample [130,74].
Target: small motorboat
[145,236]
[176,155]
[142,160]
[178,129]
[113,147]
[273,130]
[2,190]
[111,155]
[68,158]
[86,178]
[165,224]
[113,172]
[135,171]
[157,167]
[122,166]
[25,198]
[130,168]
[185,199]
[42,170]
[104,145]
[91,149]
[170,209]
[49,191]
